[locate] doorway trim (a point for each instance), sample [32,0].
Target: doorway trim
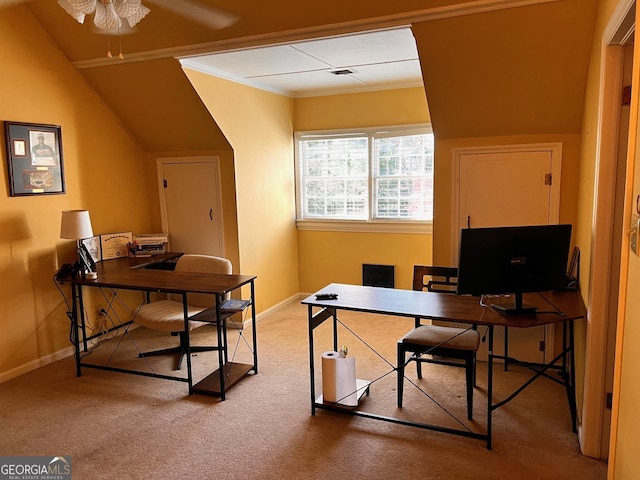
[215,161]
[556,168]
[615,35]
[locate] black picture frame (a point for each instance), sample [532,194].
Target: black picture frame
[34,159]
[85,259]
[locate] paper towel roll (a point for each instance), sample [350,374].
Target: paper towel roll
[339,379]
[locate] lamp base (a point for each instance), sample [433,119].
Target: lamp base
[91,275]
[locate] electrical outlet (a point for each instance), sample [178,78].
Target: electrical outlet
[100,312]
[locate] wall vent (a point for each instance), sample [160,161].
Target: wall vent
[378,275]
[344,71]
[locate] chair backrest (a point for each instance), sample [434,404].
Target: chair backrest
[203,264]
[435,279]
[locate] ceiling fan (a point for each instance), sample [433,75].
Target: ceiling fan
[117,17]
[120,16]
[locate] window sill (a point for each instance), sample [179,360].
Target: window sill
[365,227]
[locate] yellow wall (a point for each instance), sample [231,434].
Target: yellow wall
[371,109]
[108,173]
[258,125]
[227,192]
[337,257]
[104,170]
[327,257]
[625,424]
[443,247]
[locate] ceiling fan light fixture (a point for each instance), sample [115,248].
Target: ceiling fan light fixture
[106,17]
[76,14]
[137,15]
[124,8]
[108,14]
[83,6]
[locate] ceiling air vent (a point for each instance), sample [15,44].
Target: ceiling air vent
[344,71]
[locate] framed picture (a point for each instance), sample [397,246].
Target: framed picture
[34,158]
[115,245]
[93,247]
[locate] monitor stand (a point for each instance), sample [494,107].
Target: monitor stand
[516,307]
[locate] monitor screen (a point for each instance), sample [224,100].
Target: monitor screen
[513,260]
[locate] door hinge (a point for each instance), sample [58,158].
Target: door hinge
[164,182]
[542,347]
[626,95]
[548,179]
[609,400]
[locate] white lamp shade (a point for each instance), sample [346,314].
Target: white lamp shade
[76,224]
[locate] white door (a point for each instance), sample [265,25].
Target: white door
[506,186]
[191,205]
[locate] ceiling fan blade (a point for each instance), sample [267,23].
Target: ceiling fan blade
[197,12]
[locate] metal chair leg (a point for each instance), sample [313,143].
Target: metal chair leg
[400,369]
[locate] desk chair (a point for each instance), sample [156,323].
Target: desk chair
[443,345]
[168,315]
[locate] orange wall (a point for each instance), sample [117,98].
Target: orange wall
[105,172]
[327,257]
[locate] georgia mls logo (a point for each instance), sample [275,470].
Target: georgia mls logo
[35,468]
[59,466]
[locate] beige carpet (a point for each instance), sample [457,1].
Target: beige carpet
[116,426]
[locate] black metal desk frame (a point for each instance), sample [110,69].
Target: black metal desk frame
[160,281]
[412,304]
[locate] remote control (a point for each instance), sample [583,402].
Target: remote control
[326,296]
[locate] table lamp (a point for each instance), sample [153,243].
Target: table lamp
[76,225]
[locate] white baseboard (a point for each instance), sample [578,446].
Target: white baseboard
[246,322]
[278,306]
[67,352]
[35,364]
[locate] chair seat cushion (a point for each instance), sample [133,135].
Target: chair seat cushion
[166,316]
[446,337]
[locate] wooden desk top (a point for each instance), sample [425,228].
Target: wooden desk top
[130,273]
[450,307]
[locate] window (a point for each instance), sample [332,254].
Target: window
[376,175]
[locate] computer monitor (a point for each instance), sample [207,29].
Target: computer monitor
[513,260]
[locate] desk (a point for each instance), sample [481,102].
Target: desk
[135,274]
[567,306]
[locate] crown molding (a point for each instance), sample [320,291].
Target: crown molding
[344,28]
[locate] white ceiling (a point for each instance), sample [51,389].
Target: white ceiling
[379,60]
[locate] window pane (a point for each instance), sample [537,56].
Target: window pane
[403,175]
[338,176]
[334,174]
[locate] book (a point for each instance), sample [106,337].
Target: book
[233,305]
[151,238]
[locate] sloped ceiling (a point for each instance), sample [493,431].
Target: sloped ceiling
[148,90]
[508,72]
[515,70]
[158,105]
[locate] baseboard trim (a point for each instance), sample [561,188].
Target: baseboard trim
[35,364]
[246,322]
[67,352]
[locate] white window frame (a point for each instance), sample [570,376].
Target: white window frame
[374,225]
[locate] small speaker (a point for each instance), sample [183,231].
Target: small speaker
[378,275]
